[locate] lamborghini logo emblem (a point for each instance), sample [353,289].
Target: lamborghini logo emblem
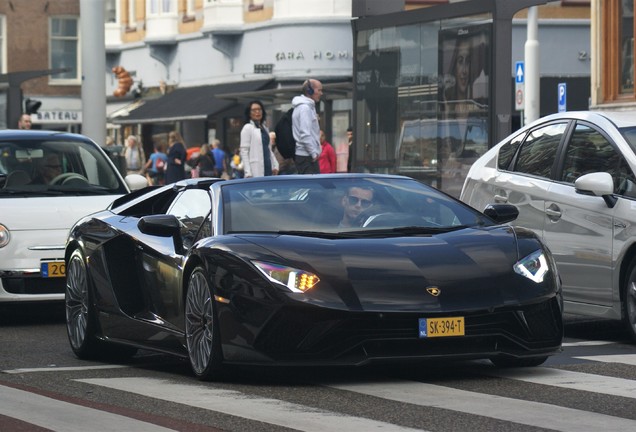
[434,291]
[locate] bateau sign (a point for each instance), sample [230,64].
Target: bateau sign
[57,116]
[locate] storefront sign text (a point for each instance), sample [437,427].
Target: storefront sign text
[317,55]
[57,117]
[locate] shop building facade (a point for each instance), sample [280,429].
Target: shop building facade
[196,64]
[37,38]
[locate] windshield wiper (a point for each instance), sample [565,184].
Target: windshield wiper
[321,234]
[406,230]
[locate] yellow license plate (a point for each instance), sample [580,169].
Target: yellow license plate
[53,269]
[441,327]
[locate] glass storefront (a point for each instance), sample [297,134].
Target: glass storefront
[422,99]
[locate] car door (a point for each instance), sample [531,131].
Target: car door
[159,260]
[525,180]
[580,229]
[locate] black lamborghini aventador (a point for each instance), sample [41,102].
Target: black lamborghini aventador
[343,269]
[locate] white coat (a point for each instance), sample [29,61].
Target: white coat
[252,151]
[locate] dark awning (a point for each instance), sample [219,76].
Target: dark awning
[187,103]
[283,94]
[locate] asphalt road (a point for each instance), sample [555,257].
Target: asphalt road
[591,385]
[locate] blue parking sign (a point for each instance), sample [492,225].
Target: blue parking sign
[562,97]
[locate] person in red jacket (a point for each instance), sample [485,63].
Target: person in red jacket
[327,159]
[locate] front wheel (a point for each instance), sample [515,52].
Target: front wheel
[202,330]
[80,322]
[81,319]
[629,301]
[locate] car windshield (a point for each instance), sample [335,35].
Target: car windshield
[347,205]
[55,166]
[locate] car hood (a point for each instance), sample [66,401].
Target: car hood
[48,213]
[471,269]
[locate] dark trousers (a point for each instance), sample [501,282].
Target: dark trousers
[306,165]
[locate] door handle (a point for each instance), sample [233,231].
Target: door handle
[553,212]
[501,199]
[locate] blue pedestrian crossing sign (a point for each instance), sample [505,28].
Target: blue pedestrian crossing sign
[562,95]
[519,72]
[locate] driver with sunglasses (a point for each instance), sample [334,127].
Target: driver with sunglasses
[355,202]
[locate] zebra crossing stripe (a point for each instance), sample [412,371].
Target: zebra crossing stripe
[571,380]
[61,416]
[629,359]
[525,412]
[267,410]
[587,343]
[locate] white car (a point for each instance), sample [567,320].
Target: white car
[48,181]
[571,175]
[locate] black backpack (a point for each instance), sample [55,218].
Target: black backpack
[284,136]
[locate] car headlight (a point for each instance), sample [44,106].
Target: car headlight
[4,236]
[533,266]
[295,279]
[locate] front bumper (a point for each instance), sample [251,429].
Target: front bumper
[325,337]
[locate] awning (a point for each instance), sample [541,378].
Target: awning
[283,94]
[188,103]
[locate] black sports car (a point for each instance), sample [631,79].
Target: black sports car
[309,270]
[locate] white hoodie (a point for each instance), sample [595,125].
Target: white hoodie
[305,127]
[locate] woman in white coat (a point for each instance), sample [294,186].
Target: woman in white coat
[256,152]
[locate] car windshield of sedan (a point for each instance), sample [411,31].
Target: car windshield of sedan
[53,167]
[340,205]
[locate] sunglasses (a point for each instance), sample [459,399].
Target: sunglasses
[364,203]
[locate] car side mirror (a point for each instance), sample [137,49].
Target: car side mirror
[136,181]
[501,213]
[598,184]
[162,226]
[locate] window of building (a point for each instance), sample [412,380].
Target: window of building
[618,48]
[64,49]
[190,7]
[3,44]
[132,14]
[110,11]
[161,7]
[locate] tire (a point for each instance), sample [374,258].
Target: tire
[509,362]
[629,301]
[202,330]
[81,319]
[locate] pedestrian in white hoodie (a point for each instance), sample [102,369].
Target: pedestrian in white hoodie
[306,127]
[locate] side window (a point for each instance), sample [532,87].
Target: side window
[191,208]
[624,180]
[507,152]
[537,154]
[587,152]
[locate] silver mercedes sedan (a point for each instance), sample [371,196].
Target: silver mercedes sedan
[571,175]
